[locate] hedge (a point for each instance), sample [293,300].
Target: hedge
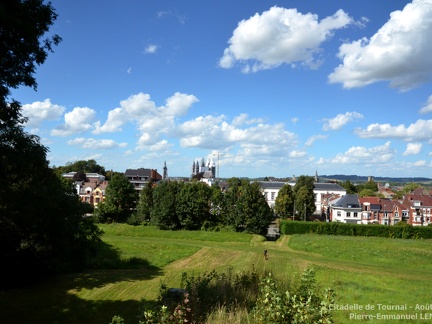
[403,232]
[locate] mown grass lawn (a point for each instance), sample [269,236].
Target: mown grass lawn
[362,271]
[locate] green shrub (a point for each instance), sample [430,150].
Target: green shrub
[398,231]
[268,299]
[306,305]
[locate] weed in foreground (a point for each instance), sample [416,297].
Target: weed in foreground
[214,297]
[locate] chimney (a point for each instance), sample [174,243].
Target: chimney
[153,174]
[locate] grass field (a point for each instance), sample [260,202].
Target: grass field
[392,276]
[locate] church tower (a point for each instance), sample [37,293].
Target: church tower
[165,171]
[197,167]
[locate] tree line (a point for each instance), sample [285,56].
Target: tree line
[193,205]
[297,202]
[42,230]
[370,189]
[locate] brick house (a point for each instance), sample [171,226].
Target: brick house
[91,192]
[419,209]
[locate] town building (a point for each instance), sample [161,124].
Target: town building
[91,192]
[346,210]
[89,177]
[419,209]
[140,177]
[271,189]
[204,172]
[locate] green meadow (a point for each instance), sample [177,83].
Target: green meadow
[382,280]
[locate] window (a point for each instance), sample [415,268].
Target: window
[396,215]
[97,200]
[272,195]
[265,195]
[339,213]
[355,214]
[348,214]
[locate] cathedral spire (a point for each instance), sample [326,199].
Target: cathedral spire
[165,171]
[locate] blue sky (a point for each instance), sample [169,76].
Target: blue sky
[266,88]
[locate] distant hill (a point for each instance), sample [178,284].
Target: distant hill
[356,178]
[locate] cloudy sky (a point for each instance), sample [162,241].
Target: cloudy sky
[266,88]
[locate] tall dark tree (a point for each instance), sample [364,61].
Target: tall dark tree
[304,181]
[23,24]
[228,215]
[304,203]
[120,200]
[252,209]
[42,230]
[164,214]
[145,204]
[284,205]
[304,196]
[216,203]
[193,205]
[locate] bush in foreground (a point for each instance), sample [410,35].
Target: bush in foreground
[247,297]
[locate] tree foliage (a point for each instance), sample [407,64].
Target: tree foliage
[120,200]
[193,205]
[253,213]
[164,214]
[305,202]
[145,204]
[371,185]
[284,204]
[410,187]
[84,166]
[367,193]
[229,214]
[304,182]
[348,186]
[42,230]
[304,196]
[23,24]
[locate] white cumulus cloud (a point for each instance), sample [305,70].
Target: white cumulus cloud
[399,52]
[421,130]
[297,154]
[311,140]
[214,132]
[341,120]
[39,111]
[427,107]
[96,144]
[279,36]
[361,155]
[419,163]
[150,120]
[79,120]
[244,119]
[413,149]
